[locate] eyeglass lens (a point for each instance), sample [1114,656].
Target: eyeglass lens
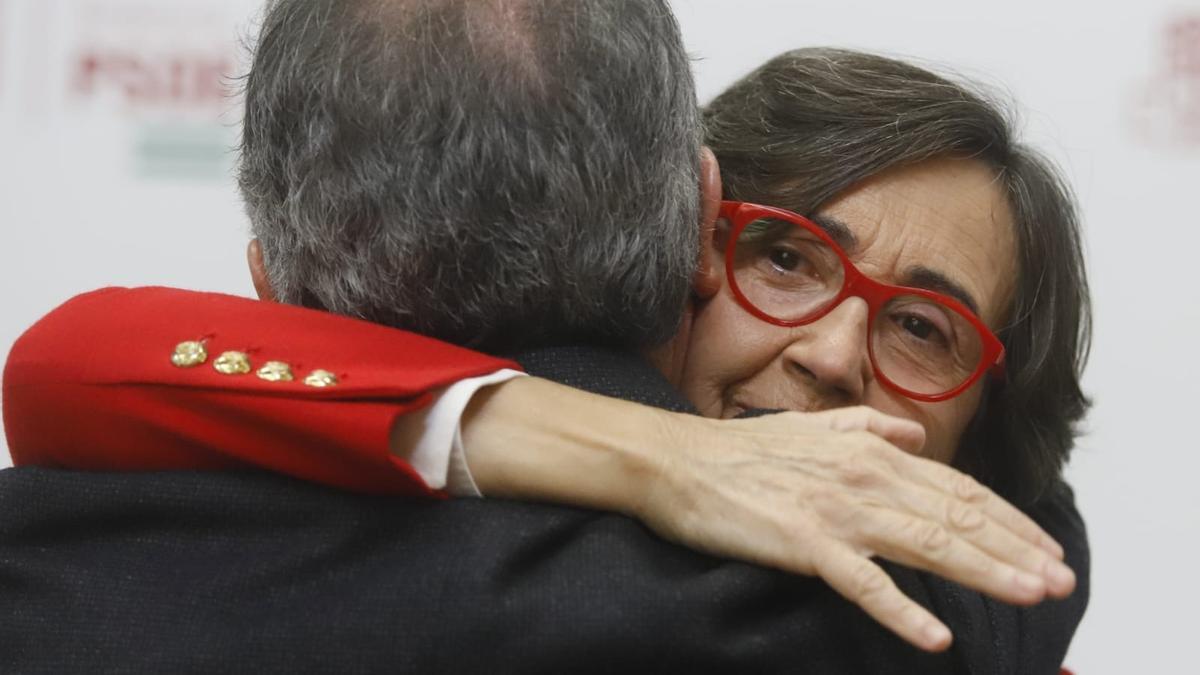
[791,274]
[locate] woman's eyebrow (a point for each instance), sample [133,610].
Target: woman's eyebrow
[933,280]
[838,231]
[916,277]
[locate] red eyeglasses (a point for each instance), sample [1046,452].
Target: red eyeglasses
[787,271]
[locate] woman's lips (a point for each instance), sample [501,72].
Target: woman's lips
[738,405]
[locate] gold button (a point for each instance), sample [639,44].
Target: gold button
[321,379]
[232,363]
[275,371]
[189,354]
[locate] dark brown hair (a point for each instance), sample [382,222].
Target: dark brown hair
[811,123]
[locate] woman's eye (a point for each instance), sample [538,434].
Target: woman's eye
[921,329]
[785,259]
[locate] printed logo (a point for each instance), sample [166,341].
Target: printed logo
[161,81]
[165,71]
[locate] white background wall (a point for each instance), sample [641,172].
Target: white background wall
[117,137]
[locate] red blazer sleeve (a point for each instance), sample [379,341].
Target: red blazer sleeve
[93,386]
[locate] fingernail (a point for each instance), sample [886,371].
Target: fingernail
[1060,576]
[1030,584]
[936,634]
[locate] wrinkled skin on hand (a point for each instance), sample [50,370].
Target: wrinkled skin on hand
[821,493]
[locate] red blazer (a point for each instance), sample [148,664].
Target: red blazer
[94,385]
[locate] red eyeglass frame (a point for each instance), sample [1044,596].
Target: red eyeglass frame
[856,284]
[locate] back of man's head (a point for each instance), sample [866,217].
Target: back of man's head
[496,173]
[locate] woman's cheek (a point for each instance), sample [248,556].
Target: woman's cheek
[927,415]
[727,347]
[944,422]
[704,371]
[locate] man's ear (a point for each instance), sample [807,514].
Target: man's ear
[707,281]
[258,272]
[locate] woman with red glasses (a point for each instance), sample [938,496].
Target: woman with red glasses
[814,332]
[926,233]
[937,274]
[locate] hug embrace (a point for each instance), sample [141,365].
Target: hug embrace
[783,384]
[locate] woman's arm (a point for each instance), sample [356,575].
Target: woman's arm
[93,386]
[815,494]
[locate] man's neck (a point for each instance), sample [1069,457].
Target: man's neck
[670,358]
[605,371]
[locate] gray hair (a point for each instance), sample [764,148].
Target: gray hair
[811,123]
[499,174]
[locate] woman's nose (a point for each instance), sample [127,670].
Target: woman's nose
[832,352]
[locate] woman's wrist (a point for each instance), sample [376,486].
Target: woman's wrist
[537,440]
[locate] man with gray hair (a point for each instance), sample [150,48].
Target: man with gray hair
[498,174]
[512,176]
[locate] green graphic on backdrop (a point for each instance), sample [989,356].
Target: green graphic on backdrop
[184,151]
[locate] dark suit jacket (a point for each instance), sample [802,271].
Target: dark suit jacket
[209,572]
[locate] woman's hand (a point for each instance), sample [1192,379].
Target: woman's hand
[820,493]
[811,493]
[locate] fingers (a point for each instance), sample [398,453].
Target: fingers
[904,434]
[909,436]
[865,584]
[998,549]
[993,539]
[928,545]
[966,489]
[868,495]
[971,511]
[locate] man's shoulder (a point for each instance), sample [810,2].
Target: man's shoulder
[260,564]
[606,371]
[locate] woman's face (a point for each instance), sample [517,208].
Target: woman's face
[947,216]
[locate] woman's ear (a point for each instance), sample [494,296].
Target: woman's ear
[258,272]
[707,280]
